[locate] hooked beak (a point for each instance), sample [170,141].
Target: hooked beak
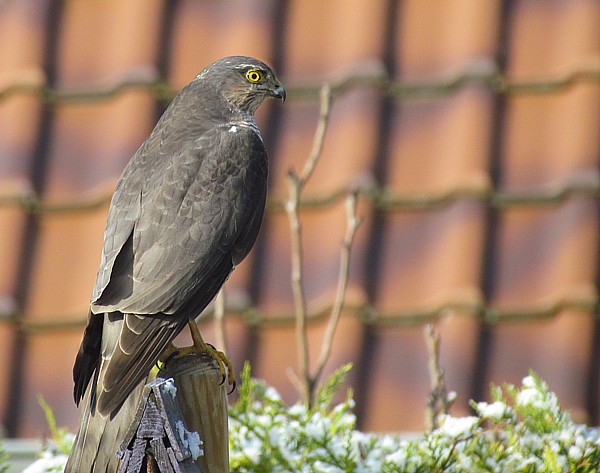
[279,92]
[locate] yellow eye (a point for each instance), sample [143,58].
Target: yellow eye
[254,76]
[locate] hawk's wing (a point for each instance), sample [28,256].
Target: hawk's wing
[176,228]
[169,233]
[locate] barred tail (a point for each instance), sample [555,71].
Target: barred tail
[99,437]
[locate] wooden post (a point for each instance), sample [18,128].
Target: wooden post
[202,397]
[180,425]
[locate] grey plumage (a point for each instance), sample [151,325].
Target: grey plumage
[185,212]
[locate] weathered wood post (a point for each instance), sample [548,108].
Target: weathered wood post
[203,400]
[181,422]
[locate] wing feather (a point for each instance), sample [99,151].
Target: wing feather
[181,232]
[204,211]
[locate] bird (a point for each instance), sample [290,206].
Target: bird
[185,212]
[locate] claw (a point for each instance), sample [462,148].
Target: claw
[225,366]
[220,358]
[199,346]
[171,352]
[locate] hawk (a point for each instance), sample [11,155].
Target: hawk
[186,210]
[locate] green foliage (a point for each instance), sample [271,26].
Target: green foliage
[54,455]
[59,435]
[326,391]
[523,430]
[3,460]
[268,436]
[528,431]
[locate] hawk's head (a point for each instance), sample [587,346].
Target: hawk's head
[243,81]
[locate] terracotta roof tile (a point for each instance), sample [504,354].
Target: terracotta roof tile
[471,132]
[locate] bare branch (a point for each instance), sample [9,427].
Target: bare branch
[352,224]
[439,402]
[319,137]
[299,384]
[295,186]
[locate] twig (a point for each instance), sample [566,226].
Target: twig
[299,385]
[296,276]
[353,221]
[295,186]
[439,402]
[319,138]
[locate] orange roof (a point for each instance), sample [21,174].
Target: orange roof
[471,132]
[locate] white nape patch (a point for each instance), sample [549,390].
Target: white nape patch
[233,129]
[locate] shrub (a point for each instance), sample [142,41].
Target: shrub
[523,430]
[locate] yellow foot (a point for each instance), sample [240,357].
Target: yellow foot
[199,346]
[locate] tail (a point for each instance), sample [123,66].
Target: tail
[99,437]
[118,350]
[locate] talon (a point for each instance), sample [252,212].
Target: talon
[223,363]
[220,358]
[171,352]
[172,355]
[225,366]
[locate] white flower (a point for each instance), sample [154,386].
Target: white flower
[575,453]
[492,464]
[566,436]
[347,420]
[456,426]
[579,440]
[318,427]
[297,410]
[562,463]
[516,462]
[321,467]
[387,442]
[528,382]
[465,463]
[495,411]
[397,458]
[251,449]
[272,394]
[277,435]
[537,397]
[531,397]
[532,442]
[48,462]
